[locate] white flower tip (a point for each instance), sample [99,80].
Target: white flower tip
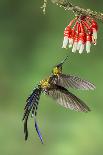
[80,52]
[88,51]
[70,42]
[95,34]
[65,42]
[88,45]
[73,50]
[74,47]
[79,45]
[66,37]
[81,49]
[70,45]
[64,47]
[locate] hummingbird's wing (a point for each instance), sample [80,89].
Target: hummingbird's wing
[31,105]
[67,81]
[67,99]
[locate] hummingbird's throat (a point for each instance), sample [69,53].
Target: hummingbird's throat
[45,83]
[56,71]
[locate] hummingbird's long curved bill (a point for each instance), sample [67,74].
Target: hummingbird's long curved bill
[64,60]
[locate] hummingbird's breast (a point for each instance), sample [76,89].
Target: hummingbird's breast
[45,83]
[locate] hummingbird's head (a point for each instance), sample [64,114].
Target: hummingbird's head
[58,68]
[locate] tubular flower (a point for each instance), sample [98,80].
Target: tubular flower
[80,33]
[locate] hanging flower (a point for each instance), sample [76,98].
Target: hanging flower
[80,33]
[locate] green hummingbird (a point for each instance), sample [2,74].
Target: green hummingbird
[56,86]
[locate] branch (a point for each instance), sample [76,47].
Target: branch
[78,10]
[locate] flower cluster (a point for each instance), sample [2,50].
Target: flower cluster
[80,33]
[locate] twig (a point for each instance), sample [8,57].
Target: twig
[78,10]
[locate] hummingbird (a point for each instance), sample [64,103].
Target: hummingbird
[56,86]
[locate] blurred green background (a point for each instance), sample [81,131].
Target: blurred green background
[30,45]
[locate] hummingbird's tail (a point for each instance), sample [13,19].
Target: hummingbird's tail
[38,132]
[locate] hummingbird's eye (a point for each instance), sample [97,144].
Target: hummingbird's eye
[59,65]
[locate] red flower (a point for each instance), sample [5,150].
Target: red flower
[80,33]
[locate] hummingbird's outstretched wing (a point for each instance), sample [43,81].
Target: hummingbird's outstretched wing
[31,105]
[67,99]
[67,81]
